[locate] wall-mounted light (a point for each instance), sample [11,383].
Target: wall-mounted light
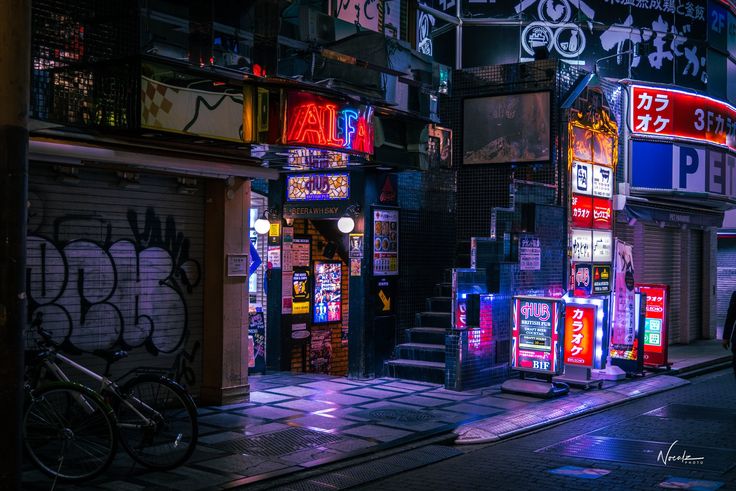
[346,223]
[263,224]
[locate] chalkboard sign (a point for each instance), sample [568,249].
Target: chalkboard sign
[257,329]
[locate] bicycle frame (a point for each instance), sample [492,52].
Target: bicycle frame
[105,383]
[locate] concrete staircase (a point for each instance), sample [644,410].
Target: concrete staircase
[422,356]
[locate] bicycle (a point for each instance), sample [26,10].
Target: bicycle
[156,418]
[69,432]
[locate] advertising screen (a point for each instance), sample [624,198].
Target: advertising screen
[385,242]
[327,292]
[535,330]
[521,128]
[301,293]
[655,324]
[579,347]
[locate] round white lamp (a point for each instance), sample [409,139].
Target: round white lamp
[345,225]
[262,225]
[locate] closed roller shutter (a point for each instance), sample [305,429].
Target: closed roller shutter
[115,263]
[726,276]
[661,264]
[695,283]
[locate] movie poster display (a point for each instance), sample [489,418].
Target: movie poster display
[536,326]
[655,323]
[327,292]
[385,242]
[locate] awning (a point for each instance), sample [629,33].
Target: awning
[678,216]
[78,153]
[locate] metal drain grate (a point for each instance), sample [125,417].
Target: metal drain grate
[645,453]
[400,414]
[277,443]
[687,411]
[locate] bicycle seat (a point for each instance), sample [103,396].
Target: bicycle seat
[110,356]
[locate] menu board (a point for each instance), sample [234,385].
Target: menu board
[300,252]
[581,242]
[602,181]
[257,330]
[580,323]
[327,292]
[535,335]
[385,242]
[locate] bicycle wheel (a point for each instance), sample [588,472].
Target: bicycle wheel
[157,422]
[69,431]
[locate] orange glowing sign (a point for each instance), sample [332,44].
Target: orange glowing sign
[580,335]
[317,121]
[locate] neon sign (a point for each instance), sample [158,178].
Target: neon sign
[663,112]
[318,121]
[655,324]
[535,333]
[580,328]
[311,187]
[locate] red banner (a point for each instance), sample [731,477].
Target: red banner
[602,213]
[581,211]
[579,346]
[666,112]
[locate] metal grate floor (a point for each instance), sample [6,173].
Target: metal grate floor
[278,443]
[645,452]
[687,411]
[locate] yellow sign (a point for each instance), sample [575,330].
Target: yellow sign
[275,230]
[300,308]
[385,301]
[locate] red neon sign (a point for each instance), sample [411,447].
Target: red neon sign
[602,213]
[655,326]
[665,112]
[317,121]
[580,335]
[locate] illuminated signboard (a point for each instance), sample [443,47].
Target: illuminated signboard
[672,113]
[300,293]
[602,246]
[581,211]
[602,181]
[581,242]
[385,242]
[601,278]
[580,331]
[323,187]
[535,343]
[327,292]
[321,122]
[602,213]
[582,178]
[655,324]
[583,279]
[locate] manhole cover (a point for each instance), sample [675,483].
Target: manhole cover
[400,414]
[687,411]
[674,454]
[277,443]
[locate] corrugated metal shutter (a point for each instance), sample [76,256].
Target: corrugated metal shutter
[114,263]
[726,276]
[695,283]
[661,264]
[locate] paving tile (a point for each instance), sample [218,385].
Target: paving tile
[305,405]
[410,386]
[371,392]
[321,422]
[329,386]
[376,432]
[296,391]
[241,405]
[268,412]
[268,397]
[453,417]
[220,437]
[421,401]
[246,465]
[448,394]
[310,456]
[350,413]
[225,420]
[341,399]
[416,426]
[349,445]
[473,409]
[343,380]
[499,402]
[386,404]
[264,428]
[185,478]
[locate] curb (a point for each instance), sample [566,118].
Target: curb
[487,430]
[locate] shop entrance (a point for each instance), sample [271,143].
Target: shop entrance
[315,324]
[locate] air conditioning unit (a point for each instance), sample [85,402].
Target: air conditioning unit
[315,26]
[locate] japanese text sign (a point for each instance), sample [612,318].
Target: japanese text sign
[602,213]
[655,324]
[673,113]
[535,334]
[579,346]
[581,211]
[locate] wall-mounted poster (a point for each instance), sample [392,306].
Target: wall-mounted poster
[582,178]
[602,246]
[356,245]
[602,181]
[506,128]
[530,253]
[301,293]
[320,351]
[327,292]
[385,242]
[257,329]
[581,243]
